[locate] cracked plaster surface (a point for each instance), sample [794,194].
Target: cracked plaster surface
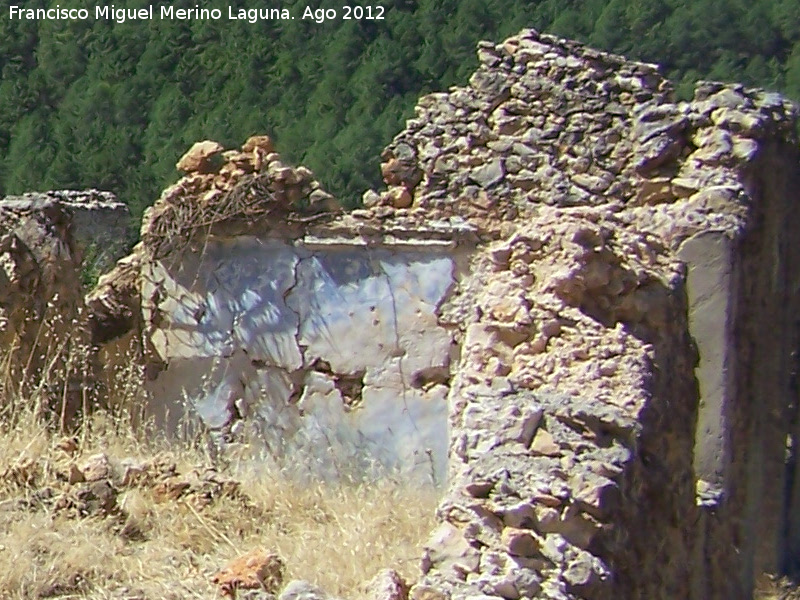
[274,328]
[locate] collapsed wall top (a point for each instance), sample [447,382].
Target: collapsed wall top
[550,122]
[237,190]
[543,122]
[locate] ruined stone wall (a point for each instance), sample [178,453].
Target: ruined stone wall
[595,285]
[276,323]
[335,347]
[546,123]
[43,238]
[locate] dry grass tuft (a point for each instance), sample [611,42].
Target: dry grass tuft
[770,587]
[165,518]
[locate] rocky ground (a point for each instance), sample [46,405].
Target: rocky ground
[105,514]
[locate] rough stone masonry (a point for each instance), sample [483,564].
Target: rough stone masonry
[44,240]
[573,306]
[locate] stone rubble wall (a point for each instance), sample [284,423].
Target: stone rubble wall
[553,146]
[599,292]
[98,222]
[43,239]
[593,442]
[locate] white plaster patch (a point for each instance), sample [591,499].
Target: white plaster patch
[322,346]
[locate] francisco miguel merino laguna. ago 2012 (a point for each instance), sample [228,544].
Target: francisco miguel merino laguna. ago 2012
[252,15]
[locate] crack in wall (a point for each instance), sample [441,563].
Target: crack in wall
[288,292]
[427,451]
[398,349]
[303,315]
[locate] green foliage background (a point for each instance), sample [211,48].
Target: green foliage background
[113,106]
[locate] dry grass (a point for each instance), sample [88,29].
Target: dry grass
[163,534]
[152,544]
[769,587]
